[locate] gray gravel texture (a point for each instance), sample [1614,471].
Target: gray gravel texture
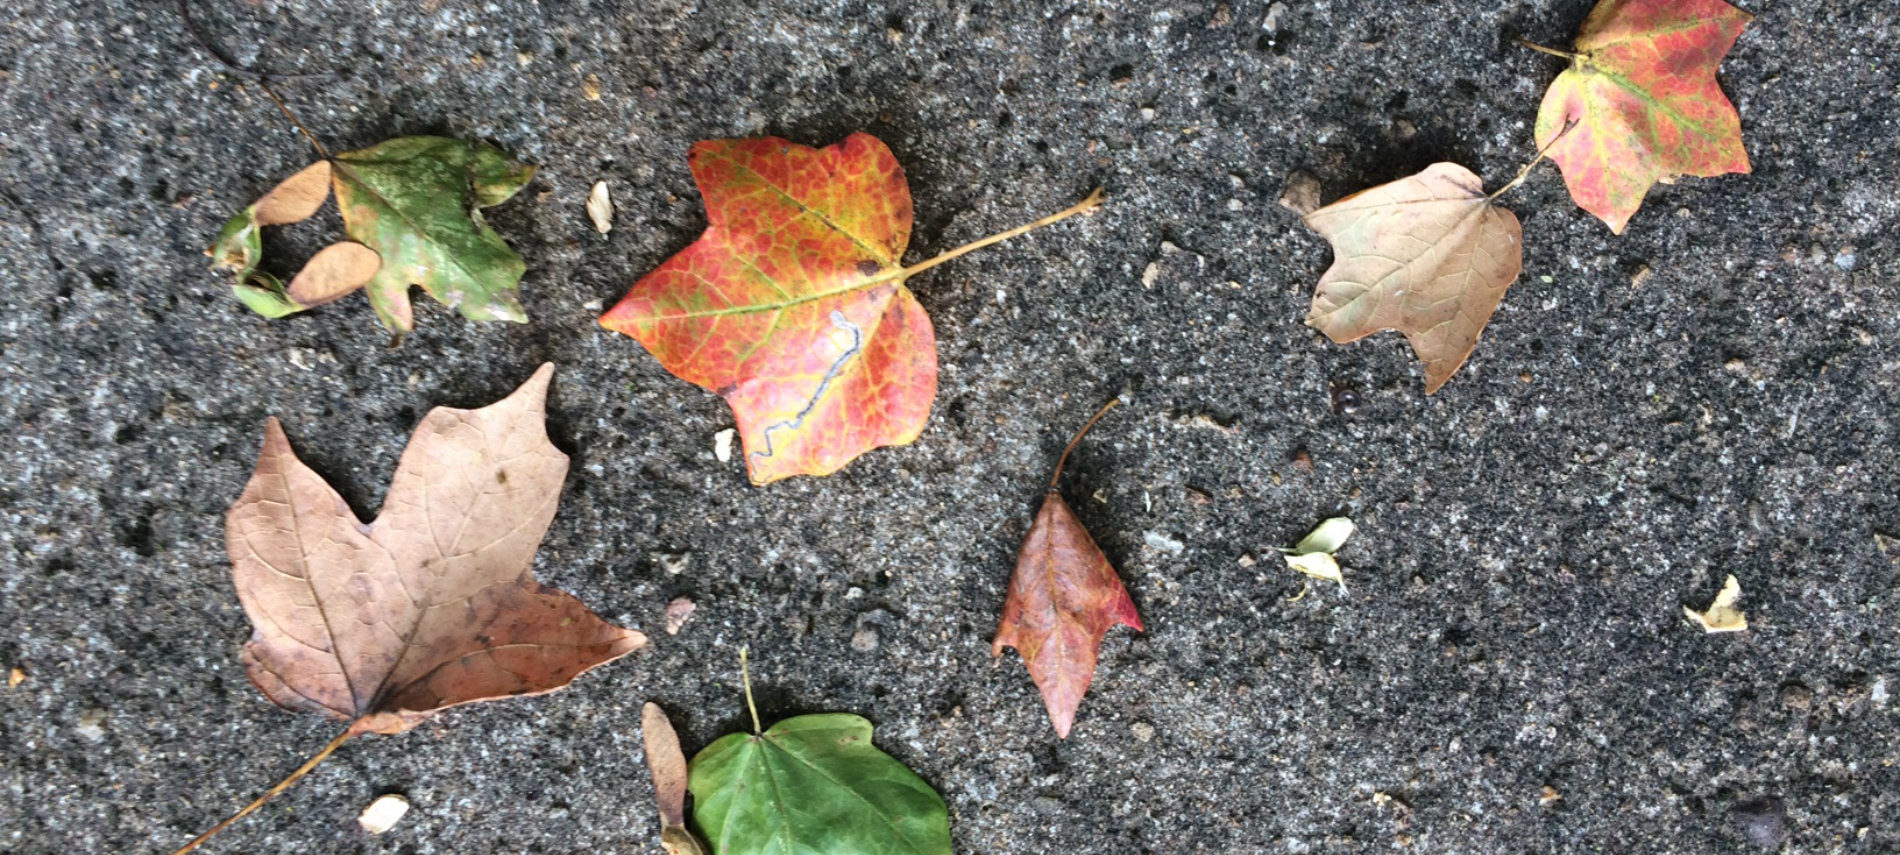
[1528,536]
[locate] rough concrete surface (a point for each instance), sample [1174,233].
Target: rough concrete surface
[1528,536]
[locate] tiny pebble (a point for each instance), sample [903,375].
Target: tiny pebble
[1163,543]
[15,677]
[600,207]
[1150,275]
[1147,114]
[383,813]
[1143,731]
[864,640]
[1275,12]
[590,87]
[92,725]
[1763,821]
[1235,204]
[673,563]
[1301,193]
[722,445]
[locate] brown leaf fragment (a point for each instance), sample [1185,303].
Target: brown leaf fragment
[669,768]
[432,605]
[295,198]
[677,612]
[1427,255]
[600,207]
[1301,194]
[382,814]
[15,677]
[1063,599]
[336,270]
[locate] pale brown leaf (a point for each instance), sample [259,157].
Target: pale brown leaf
[667,763]
[296,198]
[1722,614]
[600,208]
[1428,255]
[432,605]
[670,777]
[333,272]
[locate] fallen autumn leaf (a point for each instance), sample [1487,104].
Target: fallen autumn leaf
[793,304]
[813,784]
[432,605]
[1428,255]
[1642,93]
[1063,599]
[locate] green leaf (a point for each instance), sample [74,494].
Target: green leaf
[814,784]
[415,201]
[239,245]
[264,294]
[237,249]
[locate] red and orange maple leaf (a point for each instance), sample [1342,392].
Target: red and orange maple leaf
[1063,600]
[1641,91]
[793,305]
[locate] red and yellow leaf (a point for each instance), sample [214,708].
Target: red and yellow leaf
[1641,91]
[1063,599]
[793,306]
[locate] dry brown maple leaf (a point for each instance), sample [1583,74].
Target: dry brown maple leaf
[432,605]
[670,774]
[1063,599]
[1428,255]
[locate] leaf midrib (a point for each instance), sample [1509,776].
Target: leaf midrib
[768,739]
[875,252]
[453,257]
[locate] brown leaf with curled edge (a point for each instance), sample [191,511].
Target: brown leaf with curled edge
[670,776]
[432,605]
[1428,255]
[1063,599]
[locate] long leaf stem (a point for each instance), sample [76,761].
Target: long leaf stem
[273,792]
[1078,438]
[1526,171]
[321,151]
[745,675]
[1091,203]
[1541,49]
[262,79]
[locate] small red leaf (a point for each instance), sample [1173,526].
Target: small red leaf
[1063,600]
